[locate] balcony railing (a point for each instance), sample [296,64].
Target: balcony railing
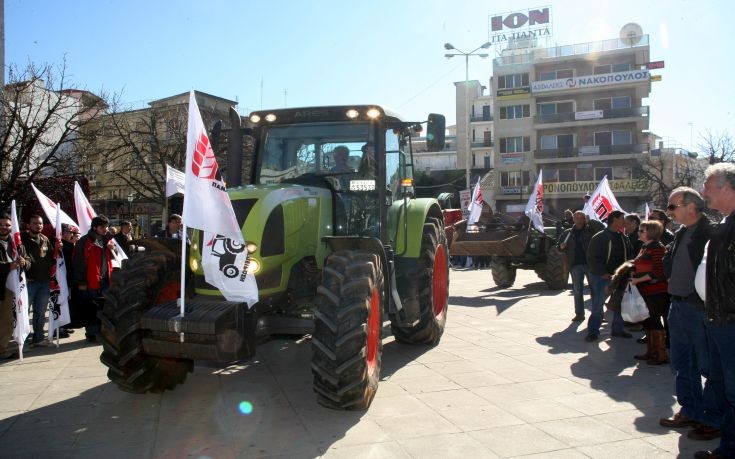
[590,115]
[569,50]
[476,119]
[591,150]
[484,143]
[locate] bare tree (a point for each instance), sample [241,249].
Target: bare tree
[664,170]
[41,119]
[717,147]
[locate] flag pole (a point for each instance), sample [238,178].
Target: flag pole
[182,305]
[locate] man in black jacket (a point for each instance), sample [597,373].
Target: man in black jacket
[41,252]
[7,266]
[719,191]
[608,249]
[574,243]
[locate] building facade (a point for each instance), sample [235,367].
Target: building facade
[577,114]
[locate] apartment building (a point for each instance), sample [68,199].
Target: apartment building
[577,114]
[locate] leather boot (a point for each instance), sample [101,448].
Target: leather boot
[649,349]
[661,356]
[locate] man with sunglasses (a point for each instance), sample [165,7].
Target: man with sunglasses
[688,353]
[719,191]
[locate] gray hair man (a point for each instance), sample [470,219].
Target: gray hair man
[719,191]
[688,341]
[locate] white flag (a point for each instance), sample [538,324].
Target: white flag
[206,205]
[49,208]
[59,313]
[475,207]
[174,181]
[16,283]
[85,214]
[647,213]
[535,204]
[225,263]
[602,202]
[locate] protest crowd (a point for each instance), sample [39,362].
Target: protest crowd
[679,287]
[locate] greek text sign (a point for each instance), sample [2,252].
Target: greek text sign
[517,25]
[588,187]
[589,81]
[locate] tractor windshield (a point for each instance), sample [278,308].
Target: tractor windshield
[339,150]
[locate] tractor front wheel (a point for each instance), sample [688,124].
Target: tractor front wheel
[347,343]
[142,283]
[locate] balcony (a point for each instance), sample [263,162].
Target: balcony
[591,150]
[579,49]
[592,115]
[477,119]
[484,143]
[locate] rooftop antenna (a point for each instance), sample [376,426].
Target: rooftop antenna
[631,33]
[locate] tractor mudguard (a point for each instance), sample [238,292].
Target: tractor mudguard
[406,225]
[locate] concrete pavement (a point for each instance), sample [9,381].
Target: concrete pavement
[511,377]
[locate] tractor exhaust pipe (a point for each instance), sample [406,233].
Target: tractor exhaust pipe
[234,150]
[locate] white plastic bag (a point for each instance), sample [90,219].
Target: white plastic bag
[633,308]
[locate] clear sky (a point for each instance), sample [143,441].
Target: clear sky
[390,52]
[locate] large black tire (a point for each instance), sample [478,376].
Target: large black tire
[347,343]
[427,285]
[143,283]
[503,275]
[555,271]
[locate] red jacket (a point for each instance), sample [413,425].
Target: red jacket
[88,262]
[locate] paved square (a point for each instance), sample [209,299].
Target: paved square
[511,377]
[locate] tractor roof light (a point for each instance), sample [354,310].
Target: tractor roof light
[352,113]
[407,182]
[373,113]
[270,117]
[255,119]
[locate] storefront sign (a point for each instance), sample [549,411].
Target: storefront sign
[590,81]
[588,115]
[510,190]
[511,158]
[514,92]
[589,187]
[655,65]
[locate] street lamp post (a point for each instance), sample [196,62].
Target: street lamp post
[131,197]
[450,47]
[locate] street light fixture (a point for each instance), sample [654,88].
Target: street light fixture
[450,47]
[131,197]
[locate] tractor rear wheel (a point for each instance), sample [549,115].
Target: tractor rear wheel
[346,343]
[503,274]
[428,285]
[556,273]
[141,284]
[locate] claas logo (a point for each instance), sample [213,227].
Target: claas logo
[602,207]
[204,164]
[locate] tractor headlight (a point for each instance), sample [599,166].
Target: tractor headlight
[255,119]
[352,113]
[373,113]
[253,266]
[270,117]
[251,247]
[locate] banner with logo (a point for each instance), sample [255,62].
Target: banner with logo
[225,263]
[535,205]
[59,313]
[16,283]
[602,202]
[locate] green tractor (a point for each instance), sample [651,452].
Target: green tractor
[337,245]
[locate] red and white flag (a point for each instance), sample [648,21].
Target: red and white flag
[16,283]
[206,204]
[207,207]
[602,202]
[59,313]
[49,208]
[535,204]
[85,214]
[475,207]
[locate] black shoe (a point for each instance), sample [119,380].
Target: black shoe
[591,337]
[704,433]
[642,340]
[708,455]
[91,338]
[621,334]
[578,318]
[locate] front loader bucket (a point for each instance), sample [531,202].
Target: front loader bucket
[503,243]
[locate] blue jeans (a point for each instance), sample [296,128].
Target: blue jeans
[722,379]
[599,296]
[38,296]
[689,355]
[578,273]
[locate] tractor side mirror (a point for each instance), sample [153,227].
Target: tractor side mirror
[435,130]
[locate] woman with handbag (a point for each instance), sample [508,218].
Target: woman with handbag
[648,276]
